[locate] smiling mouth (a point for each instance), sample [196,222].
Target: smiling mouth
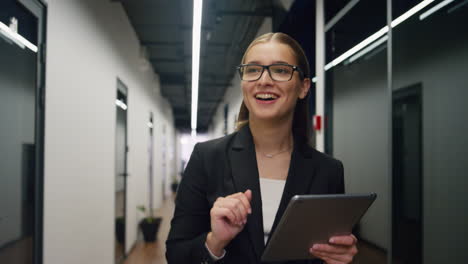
[266,96]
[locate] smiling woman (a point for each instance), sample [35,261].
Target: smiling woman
[236,188]
[294,55]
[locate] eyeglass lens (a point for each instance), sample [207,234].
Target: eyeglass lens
[278,72]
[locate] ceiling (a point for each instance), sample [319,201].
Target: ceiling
[164,28]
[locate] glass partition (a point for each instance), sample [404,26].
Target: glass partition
[430,62]
[357,107]
[20,149]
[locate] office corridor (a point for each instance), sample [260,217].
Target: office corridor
[103,102]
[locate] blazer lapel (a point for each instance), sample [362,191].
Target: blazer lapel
[245,176]
[300,176]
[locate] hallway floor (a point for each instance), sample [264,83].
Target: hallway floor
[153,253]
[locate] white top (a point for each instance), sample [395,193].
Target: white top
[271,191]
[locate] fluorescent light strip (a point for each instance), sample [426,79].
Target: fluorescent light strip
[121,104]
[8,34]
[377,34]
[196,31]
[410,12]
[368,48]
[457,6]
[27,43]
[434,9]
[17,38]
[356,48]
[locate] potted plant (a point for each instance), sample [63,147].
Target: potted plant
[149,225]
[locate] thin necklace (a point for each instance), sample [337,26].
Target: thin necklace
[272,155]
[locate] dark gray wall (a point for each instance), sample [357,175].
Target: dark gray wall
[360,125]
[433,52]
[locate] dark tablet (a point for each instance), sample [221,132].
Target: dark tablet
[311,219]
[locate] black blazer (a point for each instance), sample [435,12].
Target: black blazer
[228,165]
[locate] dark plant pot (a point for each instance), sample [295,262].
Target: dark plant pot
[150,229]
[174,187]
[120,229]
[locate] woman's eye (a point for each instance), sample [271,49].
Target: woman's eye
[281,70]
[251,70]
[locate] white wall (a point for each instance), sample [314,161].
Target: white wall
[233,97]
[165,146]
[178,150]
[187,143]
[90,45]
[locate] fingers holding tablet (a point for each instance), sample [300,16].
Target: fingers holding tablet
[339,250]
[318,220]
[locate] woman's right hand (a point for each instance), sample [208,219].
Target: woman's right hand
[228,218]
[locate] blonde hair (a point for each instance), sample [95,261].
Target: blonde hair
[301,122]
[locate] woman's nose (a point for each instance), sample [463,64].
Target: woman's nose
[265,78]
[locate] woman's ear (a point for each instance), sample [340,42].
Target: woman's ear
[305,86]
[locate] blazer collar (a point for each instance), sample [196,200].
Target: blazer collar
[245,176]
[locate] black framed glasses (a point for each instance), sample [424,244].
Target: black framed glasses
[280,72]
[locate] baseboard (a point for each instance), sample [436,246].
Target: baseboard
[13,242]
[132,248]
[130,251]
[371,244]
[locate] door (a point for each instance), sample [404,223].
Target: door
[21,132]
[121,150]
[407,176]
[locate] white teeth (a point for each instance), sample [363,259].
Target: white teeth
[266,96]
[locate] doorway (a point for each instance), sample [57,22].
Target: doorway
[407,180]
[22,24]
[121,150]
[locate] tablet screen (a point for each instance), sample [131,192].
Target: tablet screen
[311,219]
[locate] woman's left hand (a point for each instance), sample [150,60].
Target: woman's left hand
[339,250]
